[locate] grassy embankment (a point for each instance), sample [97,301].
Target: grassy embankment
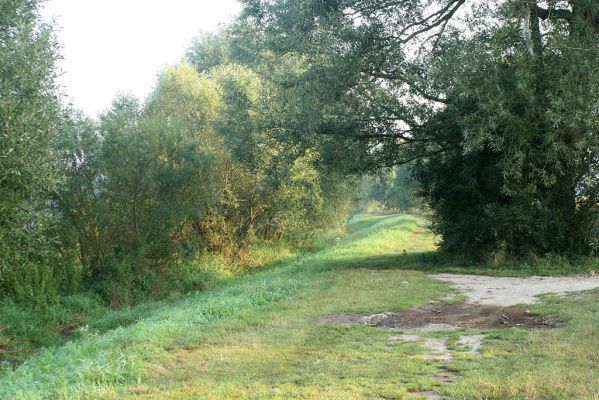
[26,328]
[257,337]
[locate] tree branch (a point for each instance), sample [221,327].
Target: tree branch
[416,157]
[418,90]
[546,13]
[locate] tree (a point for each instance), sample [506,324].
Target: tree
[29,174]
[524,155]
[140,176]
[497,102]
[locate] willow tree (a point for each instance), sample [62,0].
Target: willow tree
[29,118]
[497,102]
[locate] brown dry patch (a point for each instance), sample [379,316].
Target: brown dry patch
[449,316]
[67,330]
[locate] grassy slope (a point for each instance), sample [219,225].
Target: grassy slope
[256,338]
[26,328]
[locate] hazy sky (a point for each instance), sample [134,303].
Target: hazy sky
[112,46]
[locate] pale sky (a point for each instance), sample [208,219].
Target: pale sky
[112,46]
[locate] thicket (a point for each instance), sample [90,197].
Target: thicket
[131,205]
[189,172]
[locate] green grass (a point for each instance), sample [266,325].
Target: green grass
[258,337]
[546,364]
[27,328]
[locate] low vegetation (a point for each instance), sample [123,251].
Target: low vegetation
[259,336]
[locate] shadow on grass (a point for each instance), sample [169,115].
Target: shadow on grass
[363,226]
[432,262]
[418,261]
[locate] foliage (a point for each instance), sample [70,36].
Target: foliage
[520,169]
[30,261]
[193,170]
[497,101]
[393,190]
[137,170]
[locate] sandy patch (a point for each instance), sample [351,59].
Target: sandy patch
[511,291]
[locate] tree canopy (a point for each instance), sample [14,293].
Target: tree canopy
[487,110]
[497,102]
[29,121]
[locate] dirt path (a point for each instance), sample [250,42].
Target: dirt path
[489,304]
[511,291]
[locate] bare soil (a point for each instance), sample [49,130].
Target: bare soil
[511,291]
[442,317]
[490,304]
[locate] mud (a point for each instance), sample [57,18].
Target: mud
[444,317]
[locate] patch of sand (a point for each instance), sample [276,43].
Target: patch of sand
[511,291]
[490,304]
[472,343]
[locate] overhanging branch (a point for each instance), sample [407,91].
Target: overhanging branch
[546,13]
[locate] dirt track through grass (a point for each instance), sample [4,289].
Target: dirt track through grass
[260,338]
